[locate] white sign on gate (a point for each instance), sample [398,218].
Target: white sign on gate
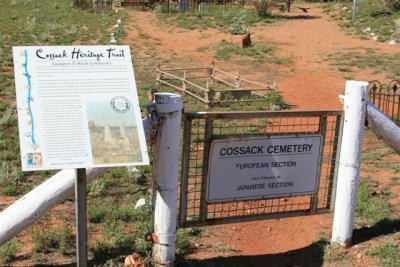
[77,107]
[263,167]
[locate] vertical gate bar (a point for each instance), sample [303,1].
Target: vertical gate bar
[387,94]
[208,131]
[335,160]
[187,131]
[392,105]
[398,111]
[373,96]
[322,128]
[81,217]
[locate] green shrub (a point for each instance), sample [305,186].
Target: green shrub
[47,239]
[97,214]
[388,254]
[82,3]
[9,190]
[393,4]
[371,208]
[182,241]
[9,250]
[238,26]
[275,100]
[263,7]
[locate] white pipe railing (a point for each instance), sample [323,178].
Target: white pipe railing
[30,207]
[384,127]
[26,210]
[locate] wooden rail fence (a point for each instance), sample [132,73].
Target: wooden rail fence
[213,86]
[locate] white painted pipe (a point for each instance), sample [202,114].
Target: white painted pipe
[355,105]
[383,127]
[165,177]
[26,210]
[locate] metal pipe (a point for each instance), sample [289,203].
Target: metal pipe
[165,177]
[32,206]
[383,126]
[355,106]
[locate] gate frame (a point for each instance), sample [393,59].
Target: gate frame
[208,137]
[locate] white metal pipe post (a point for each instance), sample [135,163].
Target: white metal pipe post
[355,105]
[26,210]
[168,108]
[383,126]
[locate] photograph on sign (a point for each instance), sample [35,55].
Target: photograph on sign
[113,133]
[263,167]
[77,107]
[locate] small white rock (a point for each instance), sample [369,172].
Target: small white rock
[113,41]
[344,8]
[375,38]
[131,168]
[116,11]
[392,42]
[367,29]
[112,34]
[119,21]
[116,26]
[140,203]
[373,34]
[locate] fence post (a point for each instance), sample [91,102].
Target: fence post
[184,81]
[159,74]
[212,71]
[237,81]
[355,105]
[168,108]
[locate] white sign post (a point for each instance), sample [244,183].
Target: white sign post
[78,108]
[260,167]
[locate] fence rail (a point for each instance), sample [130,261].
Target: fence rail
[386,97]
[211,85]
[200,129]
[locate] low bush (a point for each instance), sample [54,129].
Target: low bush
[275,100]
[9,250]
[263,7]
[393,5]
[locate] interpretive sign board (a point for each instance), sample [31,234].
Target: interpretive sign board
[263,167]
[77,107]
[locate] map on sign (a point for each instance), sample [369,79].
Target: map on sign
[77,107]
[263,167]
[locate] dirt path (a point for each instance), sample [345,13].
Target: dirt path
[314,84]
[309,82]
